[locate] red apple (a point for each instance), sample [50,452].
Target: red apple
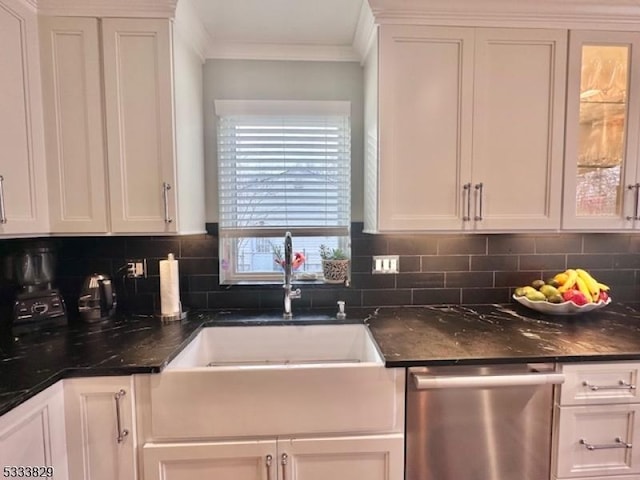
[603,297]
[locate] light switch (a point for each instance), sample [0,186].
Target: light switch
[386,264]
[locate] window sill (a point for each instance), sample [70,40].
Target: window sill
[278,284]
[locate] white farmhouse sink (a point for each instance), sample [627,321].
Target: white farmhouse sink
[255,381]
[277,346]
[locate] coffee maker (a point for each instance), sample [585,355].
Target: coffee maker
[98,299]
[38,303]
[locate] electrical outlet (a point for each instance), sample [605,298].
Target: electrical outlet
[137,268]
[386,264]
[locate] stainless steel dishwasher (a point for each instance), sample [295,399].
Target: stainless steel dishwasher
[480,423]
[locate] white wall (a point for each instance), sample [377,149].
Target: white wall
[188,91]
[280,80]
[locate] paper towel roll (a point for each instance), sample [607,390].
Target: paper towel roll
[169,286]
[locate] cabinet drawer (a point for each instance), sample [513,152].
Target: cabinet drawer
[597,440]
[599,383]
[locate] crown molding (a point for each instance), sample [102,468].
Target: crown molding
[188,26]
[592,14]
[365,32]
[107,8]
[259,51]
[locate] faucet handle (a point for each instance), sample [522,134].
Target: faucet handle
[341,315]
[297,293]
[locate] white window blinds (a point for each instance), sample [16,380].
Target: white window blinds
[284,165]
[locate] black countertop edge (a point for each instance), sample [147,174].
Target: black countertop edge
[433,362]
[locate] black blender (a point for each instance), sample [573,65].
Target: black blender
[37,303]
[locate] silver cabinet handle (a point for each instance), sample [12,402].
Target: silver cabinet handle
[284,460]
[3,212]
[479,190]
[428,382]
[621,385]
[618,444]
[466,192]
[268,461]
[122,433]
[165,195]
[635,187]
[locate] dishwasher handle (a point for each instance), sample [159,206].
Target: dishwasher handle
[430,382]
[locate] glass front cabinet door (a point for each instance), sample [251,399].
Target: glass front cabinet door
[603,119]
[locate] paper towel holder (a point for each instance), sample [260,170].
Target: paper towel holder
[168,312]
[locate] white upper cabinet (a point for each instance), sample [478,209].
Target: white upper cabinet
[23,202]
[113,127]
[603,121]
[71,79]
[425,102]
[470,129]
[518,128]
[140,135]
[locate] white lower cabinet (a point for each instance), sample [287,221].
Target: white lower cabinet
[597,423]
[33,435]
[100,428]
[373,457]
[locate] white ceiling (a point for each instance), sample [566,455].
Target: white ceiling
[255,28]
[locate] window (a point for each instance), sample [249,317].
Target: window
[282,166]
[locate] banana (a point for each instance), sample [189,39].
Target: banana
[603,287]
[572,276]
[582,286]
[590,282]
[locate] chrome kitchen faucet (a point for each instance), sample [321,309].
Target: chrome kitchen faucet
[289,293]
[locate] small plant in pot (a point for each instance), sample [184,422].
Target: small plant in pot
[335,264]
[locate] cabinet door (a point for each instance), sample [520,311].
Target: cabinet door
[139,119]
[33,435]
[597,440]
[22,162]
[603,117]
[99,420]
[74,124]
[518,128]
[425,100]
[379,457]
[243,460]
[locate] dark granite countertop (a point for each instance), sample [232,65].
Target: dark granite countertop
[430,335]
[510,333]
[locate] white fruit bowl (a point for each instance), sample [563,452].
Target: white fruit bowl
[564,308]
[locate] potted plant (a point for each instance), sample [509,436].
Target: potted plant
[335,264]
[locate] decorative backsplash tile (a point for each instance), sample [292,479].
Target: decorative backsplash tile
[434,268]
